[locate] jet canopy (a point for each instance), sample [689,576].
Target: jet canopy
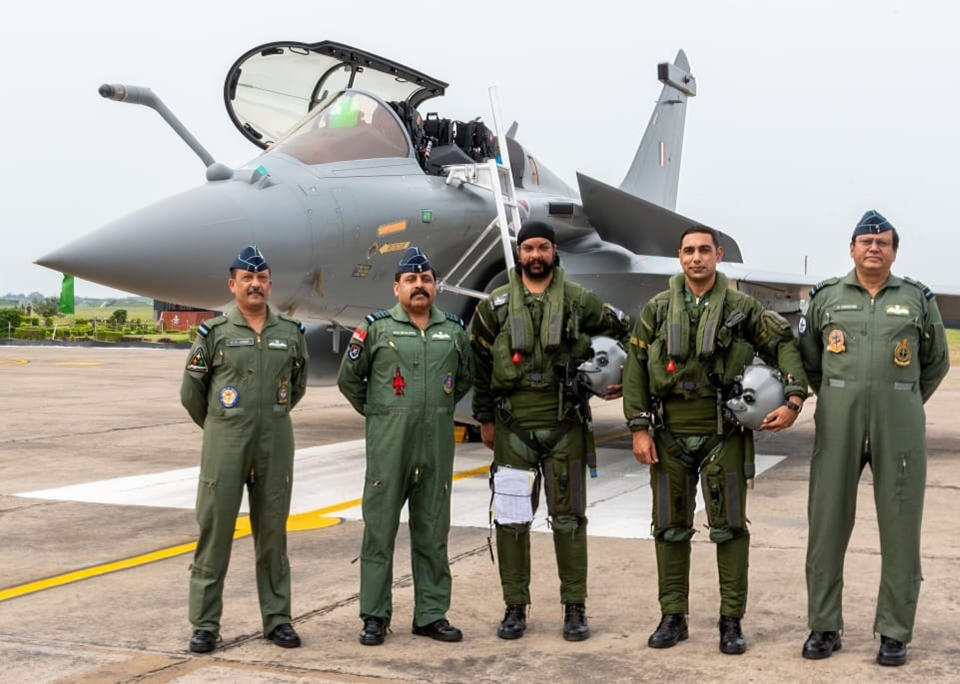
[351,126]
[273,87]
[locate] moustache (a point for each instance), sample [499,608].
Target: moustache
[255,290]
[419,291]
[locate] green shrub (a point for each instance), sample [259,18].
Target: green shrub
[9,318]
[30,333]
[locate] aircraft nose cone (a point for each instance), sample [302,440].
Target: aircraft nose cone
[179,249]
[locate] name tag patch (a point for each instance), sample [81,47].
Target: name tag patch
[404,333]
[240,342]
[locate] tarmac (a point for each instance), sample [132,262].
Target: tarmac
[96,527]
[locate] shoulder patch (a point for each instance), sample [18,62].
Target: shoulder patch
[927,292]
[204,328]
[822,284]
[455,318]
[377,316]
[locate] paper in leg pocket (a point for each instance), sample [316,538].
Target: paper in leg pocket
[513,495]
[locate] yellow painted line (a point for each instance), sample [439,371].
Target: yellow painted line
[310,520]
[13,362]
[77,363]
[388,228]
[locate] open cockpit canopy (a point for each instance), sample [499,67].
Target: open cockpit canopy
[273,87]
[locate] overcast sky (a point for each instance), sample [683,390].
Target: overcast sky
[807,113]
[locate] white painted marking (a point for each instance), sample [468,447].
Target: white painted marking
[618,501]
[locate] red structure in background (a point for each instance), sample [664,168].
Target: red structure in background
[184,320]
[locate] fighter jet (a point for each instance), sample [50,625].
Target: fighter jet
[351,173]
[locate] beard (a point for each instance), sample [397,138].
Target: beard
[536,269]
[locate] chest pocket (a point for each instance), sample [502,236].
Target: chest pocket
[279,353]
[841,333]
[235,355]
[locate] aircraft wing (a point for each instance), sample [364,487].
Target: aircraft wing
[641,226]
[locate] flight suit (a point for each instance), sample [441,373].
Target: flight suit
[682,360]
[873,363]
[522,346]
[407,382]
[240,387]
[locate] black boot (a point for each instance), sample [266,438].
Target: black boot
[672,628]
[892,652]
[284,635]
[374,631]
[575,622]
[821,645]
[731,636]
[514,622]
[203,641]
[441,630]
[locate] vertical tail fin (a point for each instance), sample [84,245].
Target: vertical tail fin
[655,171]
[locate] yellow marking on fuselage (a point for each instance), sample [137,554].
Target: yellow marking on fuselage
[13,362]
[394,247]
[395,227]
[77,363]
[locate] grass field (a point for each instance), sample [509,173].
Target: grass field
[144,313]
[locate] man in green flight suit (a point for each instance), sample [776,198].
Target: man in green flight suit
[405,370]
[246,371]
[528,338]
[875,349]
[687,349]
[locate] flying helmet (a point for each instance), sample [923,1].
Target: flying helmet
[756,393]
[604,368]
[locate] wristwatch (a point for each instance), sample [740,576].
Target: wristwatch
[793,406]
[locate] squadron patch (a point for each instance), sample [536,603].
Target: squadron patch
[802,325]
[398,382]
[835,341]
[448,383]
[228,396]
[197,362]
[902,354]
[283,392]
[354,351]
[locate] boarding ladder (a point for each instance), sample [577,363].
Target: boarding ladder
[496,176]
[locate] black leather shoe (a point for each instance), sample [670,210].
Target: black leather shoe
[514,622]
[575,622]
[284,635]
[821,645]
[441,630]
[731,636]
[672,628]
[892,652]
[374,631]
[203,641]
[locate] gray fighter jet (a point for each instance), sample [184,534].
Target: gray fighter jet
[351,174]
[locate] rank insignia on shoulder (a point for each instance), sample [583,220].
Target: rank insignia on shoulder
[448,383]
[835,341]
[303,328]
[197,362]
[377,315]
[455,318]
[228,396]
[902,354]
[354,351]
[203,330]
[283,392]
